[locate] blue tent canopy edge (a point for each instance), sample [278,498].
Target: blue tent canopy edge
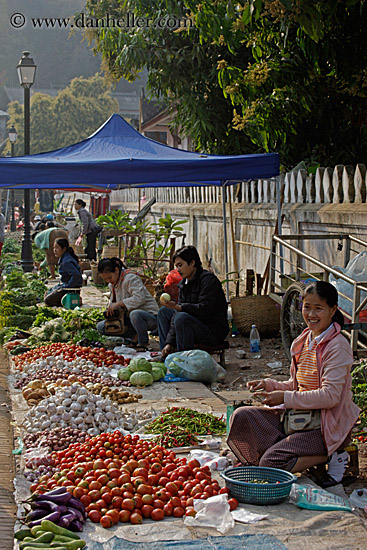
[116,156]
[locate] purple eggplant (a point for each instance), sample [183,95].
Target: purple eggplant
[75,503]
[61,499]
[58,491]
[65,520]
[50,506]
[54,517]
[36,514]
[77,514]
[75,526]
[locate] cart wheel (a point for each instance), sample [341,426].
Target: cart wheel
[291,320]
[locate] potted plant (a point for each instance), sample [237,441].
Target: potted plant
[117,222]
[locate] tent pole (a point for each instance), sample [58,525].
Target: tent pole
[225,237]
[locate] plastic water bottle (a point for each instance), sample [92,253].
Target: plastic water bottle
[255,343]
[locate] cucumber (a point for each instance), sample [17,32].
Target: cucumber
[45,537]
[22,534]
[49,526]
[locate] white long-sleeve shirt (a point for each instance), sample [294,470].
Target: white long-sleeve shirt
[131,290]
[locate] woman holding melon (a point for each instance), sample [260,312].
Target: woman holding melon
[129,292]
[200,316]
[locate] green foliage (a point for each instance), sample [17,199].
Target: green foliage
[15,279]
[74,114]
[38,254]
[11,246]
[359,389]
[6,333]
[252,76]
[154,249]
[116,220]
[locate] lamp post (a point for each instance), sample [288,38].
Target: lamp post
[26,73]
[12,138]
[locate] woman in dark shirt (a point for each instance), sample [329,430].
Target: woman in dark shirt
[71,275]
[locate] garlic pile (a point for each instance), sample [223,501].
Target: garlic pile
[132,420]
[76,407]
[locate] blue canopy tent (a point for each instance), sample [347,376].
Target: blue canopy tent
[116,156]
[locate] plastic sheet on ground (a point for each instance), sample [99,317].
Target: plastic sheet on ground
[250,542]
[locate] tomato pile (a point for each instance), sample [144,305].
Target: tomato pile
[99,356]
[126,479]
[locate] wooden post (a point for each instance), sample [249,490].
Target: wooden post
[236,276]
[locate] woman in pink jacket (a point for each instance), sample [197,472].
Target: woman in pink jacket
[319,385]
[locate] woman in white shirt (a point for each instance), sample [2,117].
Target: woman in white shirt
[128,291]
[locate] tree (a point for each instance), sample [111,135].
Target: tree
[251,75]
[74,114]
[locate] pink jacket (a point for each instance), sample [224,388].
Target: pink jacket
[334,396]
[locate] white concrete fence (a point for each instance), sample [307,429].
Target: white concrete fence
[341,184]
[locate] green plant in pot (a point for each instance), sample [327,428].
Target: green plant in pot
[155,247]
[115,220]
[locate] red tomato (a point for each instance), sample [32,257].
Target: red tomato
[168,509]
[128,504]
[95,516]
[124,516]
[147,510]
[114,515]
[136,518]
[94,495]
[190,511]
[157,514]
[175,501]
[194,463]
[85,499]
[107,497]
[144,489]
[116,502]
[106,521]
[116,492]
[233,503]
[138,501]
[178,512]
[157,503]
[172,488]
[223,491]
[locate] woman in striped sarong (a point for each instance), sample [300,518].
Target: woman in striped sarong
[320,380]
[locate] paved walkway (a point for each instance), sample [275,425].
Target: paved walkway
[7,463]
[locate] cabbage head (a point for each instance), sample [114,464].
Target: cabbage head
[162,366]
[124,374]
[140,364]
[157,373]
[141,378]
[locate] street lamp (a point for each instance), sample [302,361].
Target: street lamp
[26,73]
[12,138]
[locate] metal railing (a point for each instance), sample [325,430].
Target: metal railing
[286,255]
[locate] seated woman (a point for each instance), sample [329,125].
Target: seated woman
[71,275]
[200,316]
[128,291]
[320,382]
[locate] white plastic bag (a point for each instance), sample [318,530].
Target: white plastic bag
[358,498]
[212,512]
[195,364]
[356,270]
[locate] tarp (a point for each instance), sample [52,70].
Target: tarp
[246,542]
[117,156]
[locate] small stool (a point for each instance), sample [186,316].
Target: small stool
[217,350]
[71,299]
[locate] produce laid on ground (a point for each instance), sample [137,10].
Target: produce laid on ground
[120,397]
[140,372]
[126,479]
[54,439]
[35,391]
[197,423]
[74,407]
[48,535]
[57,506]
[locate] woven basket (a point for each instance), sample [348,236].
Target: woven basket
[110,252]
[261,311]
[97,279]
